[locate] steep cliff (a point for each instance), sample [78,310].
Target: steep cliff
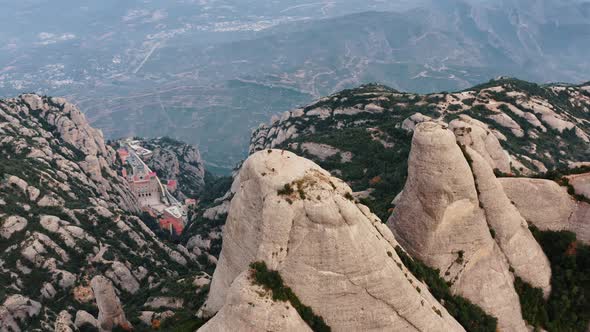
[440,220]
[335,255]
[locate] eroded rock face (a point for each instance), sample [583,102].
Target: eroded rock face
[174,160]
[336,255]
[469,133]
[541,202]
[110,313]
[15,309]
[548,206]
[509,229]
[438,220]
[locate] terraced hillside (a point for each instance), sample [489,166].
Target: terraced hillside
[363,135]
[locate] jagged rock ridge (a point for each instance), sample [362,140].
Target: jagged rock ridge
[520,128]
[454,216]
[335,254]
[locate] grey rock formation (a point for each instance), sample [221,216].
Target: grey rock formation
[110,312]
[336,255]
[438,220]
[84,318]
[121,275]
[548,206]
[174,160]
[541,202]
[11,225]
[470,133]
[511,231]
[15,309]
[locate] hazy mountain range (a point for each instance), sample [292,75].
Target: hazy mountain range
[210,71]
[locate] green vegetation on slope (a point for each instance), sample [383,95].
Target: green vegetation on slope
[470,316]
[374,166]
[272,280]
[568,306]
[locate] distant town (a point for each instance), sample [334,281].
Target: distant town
[154,198]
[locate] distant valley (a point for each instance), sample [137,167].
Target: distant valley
[209,74]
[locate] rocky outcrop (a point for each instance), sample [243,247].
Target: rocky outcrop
[15,309]
[120,274]
[110,312]
[541,202]
[337,256]
[472,133]
[12,225]
[83,318]
[548,206]
[438,219]
[509,229]
[581,184]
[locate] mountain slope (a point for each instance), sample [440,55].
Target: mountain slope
[463,221]
[73,250]
[335,255]
[364,134]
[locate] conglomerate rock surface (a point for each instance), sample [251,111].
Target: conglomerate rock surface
[338,258]
[446,216]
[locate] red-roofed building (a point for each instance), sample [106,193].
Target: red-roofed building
[171,225]
[172,221]
[190,202]
[123,155]
[172,185]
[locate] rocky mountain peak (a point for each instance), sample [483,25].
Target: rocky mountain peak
[335,255]
[454,215]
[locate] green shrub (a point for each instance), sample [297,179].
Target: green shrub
[286,190]
[568,306]
[532,303]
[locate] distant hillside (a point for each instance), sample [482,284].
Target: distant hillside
[364,134]
[208,77]
[304,237]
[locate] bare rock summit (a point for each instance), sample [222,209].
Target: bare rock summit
[335,255]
